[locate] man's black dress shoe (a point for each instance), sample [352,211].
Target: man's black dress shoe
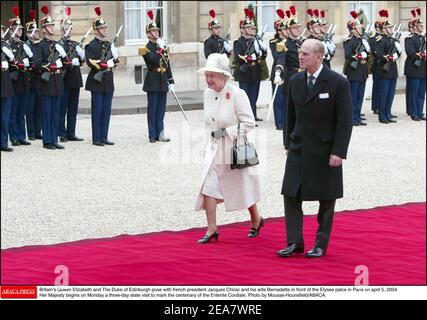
[361,123]
[74,138]
[316,252]
[258,119]
[362,114]
[391,120]
[362,119]
[58,146]
[15,143]
[108,143]
[98,143]
[152,140]
[7,149]
[254,232]
[415,119]
[384,121]
[24,143]
[293,248]
[423,118]
[49,146]
[39,137]
[356,124]
[63,139]
[207,239]
[393,116]
[31,138]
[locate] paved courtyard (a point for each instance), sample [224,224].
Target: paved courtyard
[136,187]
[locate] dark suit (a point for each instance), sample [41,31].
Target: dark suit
[319,124]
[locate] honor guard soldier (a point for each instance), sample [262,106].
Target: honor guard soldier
[387,53]
[373,43]
[288,61]
[415,66]
[158,82]
[20,74]
[72,83]
[101,56]
[314,27]
[34,113]
[7,56]
[215,43]
[50,63]
[249,50]
[356,51]
[275,45]
[328,42]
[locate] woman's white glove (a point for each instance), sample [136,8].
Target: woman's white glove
[277,78]
[8,52]
[4,65]
[28,51]
[398,47]
[366,45]
[75,62]
[114,51]
[110,63]
[26,62]
[171,87]
[227,46]
[58,64]
[161,43]
[80,52]
[60,50]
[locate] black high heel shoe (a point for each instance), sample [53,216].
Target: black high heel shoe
[254,232]
[207,239]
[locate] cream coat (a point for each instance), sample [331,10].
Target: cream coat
[240,187]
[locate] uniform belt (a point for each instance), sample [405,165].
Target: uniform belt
[254,63]
[161,70]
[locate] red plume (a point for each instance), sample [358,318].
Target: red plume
[310,12]
[98,11]
[33,14]
[150,14]
[419,11]
[45,10]
[354,14]
[316,12]
[280,13]
[386,13]
[288,13]
[15,11]
[414,13]
[293,10]
[251,14]
[322,13]
[212,13]
[247,12]
[67,11]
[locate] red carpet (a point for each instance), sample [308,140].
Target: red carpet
[390,241]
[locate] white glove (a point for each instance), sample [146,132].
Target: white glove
[331,47]
[4,65]
[58,64]
[75,62]
[256,47]
[161,43]
[26,62]
[227,46]
[60,50]
[80,52]
[110,63]
[8,52]
[364,55]
[171,87]
[366,45]
[277,78]
[398,47]
[28,51]
[114,51]
[253,56]
[395,56]
[262,45]
[325,48]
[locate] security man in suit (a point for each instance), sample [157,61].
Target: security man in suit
[373,43]
[72,83]
[50,63]
[277,45]
[387,53]
[249,51]
[318,131]
[158,82]
[356,51]
[20,74]
[7,56]
[96,54]
[34,114]
[215,43]
[415,66]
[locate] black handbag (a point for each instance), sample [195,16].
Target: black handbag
[243,155]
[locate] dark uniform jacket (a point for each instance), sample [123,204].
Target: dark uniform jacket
[351,46]
[318,125]
[373,43]
[34,73]
[159,73]
[288,59]
[413,43]
[72,74]
[6,82]
[273,44]
[94,51]
[214,44]
[247,70]
[42,63]
[384,47]
[22,84]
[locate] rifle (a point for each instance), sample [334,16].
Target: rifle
[360,48]
[72,53]
[394,38]
[301,38]
[5,33]
[54,55]
[21,55]
[106,55]
[417,63]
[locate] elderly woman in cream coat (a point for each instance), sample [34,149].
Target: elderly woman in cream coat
[225,106]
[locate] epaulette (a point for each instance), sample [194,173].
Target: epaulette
[348,38]
[281,46]
[410,35]
[273,40]
[378,38]
[143,51]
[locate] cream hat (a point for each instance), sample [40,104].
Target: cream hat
[217,63]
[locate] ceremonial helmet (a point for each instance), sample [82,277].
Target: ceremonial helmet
[248,20]
[47,19]
[99,22]
[312,21]
[354,22]
[416,13]
[214,22]
[152,24]
[292,18]
[15,21]
[281,19]
[322,15]
[384,22]
[32,24]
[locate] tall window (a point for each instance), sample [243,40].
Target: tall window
[136,19]
[368,10]
[265,12]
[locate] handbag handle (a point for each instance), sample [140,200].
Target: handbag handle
[238,136]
